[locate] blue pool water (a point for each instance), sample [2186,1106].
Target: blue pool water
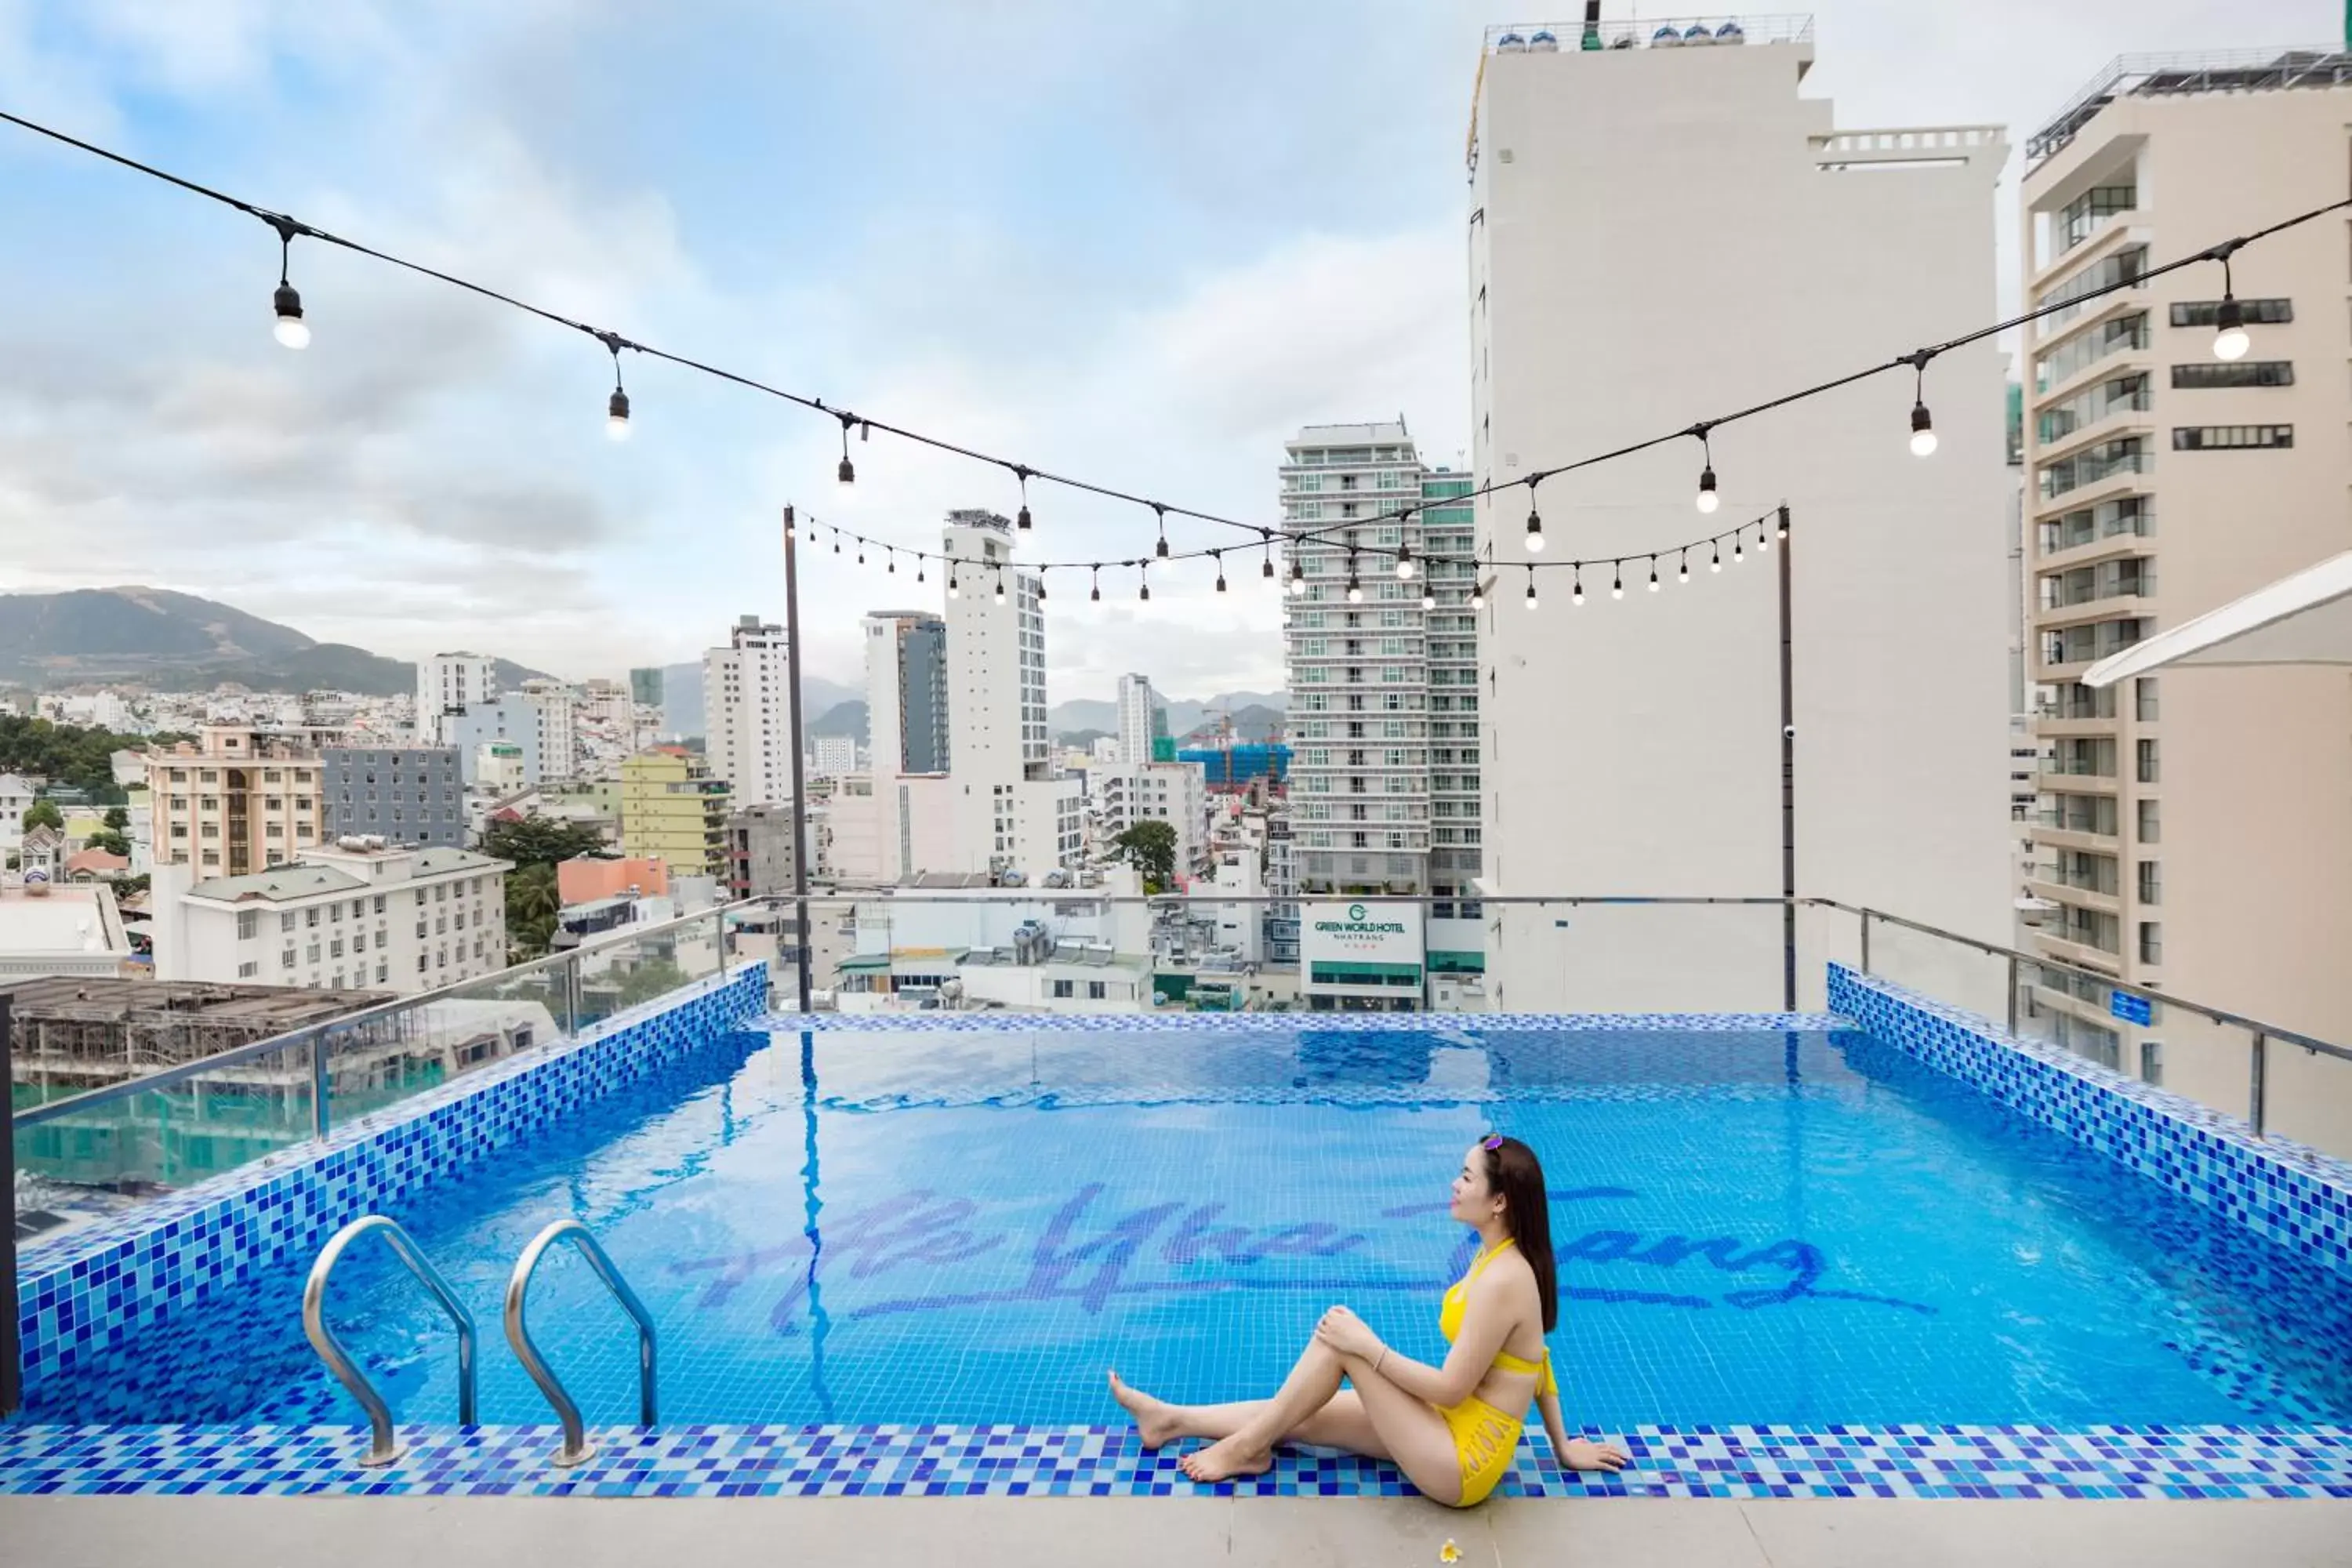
[968,1228]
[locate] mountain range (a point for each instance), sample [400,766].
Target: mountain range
[178,642]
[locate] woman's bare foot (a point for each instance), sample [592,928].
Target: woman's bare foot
[1223,1459]
[1155,1419]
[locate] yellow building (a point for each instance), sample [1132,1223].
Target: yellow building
[672,809]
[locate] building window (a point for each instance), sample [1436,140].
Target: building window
[2151,882]
[2144,698]
[286,959]
[2151,942]
[310,918]
[2146,761]
[2259,312]
[286,921]
[2151,1062]
[2150,828]
[1095,991]
[2234,372]
[2231,437]
[1065,987]
[248,924]
[247,971]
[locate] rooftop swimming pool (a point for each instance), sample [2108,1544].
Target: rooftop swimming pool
[860,1227]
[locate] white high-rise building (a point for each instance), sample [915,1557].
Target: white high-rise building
[2192,836]
[907,731]
[1656,238]
[557,719]
[833,756]
[1137,705]
[747,721]
[1009,812]
[450,683]
[1174,792]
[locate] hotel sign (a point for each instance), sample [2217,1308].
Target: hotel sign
[1361,932]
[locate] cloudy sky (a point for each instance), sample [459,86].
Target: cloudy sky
[1140,242]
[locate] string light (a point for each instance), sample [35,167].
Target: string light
[1477,595]
[1531,588]
[1405,563]
[1715,564]
[1535,518]
[1144,576]
[1617,582]
[1096,594]
[890,559]
[1923,424]
[1221,569]
[1763,540]
[847,472]
[1736,555]
[2231,340]
[955,589]
[1653,573]
[1783,528]
[616,408]
[290,329]
[999,584]
[1022,471]
[1161,551]
[1707,499]
[1041,584]
[1297,578]
[1355,588]
[1267,569]
[1428,595]
[1683,575]
[919,568]
[1576,587]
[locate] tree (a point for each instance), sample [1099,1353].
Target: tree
[540,841]
[117,819]
[44,813]
[532,905]
[1150,848]
[113,843]
[656,977]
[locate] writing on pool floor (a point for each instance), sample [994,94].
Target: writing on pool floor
[1088,1255]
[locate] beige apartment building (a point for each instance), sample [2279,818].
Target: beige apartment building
[239,799]
[2194,832]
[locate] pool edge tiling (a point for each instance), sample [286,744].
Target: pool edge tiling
[2291,1195]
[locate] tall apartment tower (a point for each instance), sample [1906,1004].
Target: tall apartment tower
[747,713]
[907,742]
[1359,671]
[1657,237]
[446,684]
[556,718]
[2193,835]
[1009,810]
[1137,705]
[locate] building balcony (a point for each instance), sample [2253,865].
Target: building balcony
[2046,834]
[2063,777]
[2112,607]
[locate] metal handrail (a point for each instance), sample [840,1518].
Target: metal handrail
[1994,949]
[576,1446]
[203,1066]
[383,1442]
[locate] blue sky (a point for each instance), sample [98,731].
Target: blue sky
[1140,242]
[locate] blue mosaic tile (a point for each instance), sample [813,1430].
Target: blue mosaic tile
[1461,1027]
[2280,1190]
[92,1286]
[1935,1462]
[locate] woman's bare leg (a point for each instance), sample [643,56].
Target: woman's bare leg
[1408,1429]
[1340,1424]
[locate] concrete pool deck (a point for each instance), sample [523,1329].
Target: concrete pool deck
[984,1532]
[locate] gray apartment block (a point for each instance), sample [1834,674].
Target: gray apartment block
[410,794]
[759,851]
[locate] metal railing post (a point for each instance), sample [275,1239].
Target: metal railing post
[569,971]
[2012,993]
[1866,940]
[2256,1087]
[12,1365]
[322,1116]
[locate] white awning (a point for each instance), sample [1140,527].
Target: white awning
[2306,618]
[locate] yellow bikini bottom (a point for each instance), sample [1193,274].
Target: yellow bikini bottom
[1484,1439]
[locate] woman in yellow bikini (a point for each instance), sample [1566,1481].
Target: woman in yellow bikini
[1451,1429]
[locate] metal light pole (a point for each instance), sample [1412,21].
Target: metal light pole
[1787,790]
[804,946]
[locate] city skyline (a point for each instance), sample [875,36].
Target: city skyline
[1118,356]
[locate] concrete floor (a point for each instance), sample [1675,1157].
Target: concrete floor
[1146,1532]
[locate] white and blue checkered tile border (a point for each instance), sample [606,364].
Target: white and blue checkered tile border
[94,1286]
[1088,1461]
[1468,1025]
[2283,1191]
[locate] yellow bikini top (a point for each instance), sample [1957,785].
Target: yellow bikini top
[1457,1301]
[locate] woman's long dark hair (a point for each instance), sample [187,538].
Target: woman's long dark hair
[1514,1171]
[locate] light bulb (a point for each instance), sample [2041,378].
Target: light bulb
[1707,499]
[2229,339]
[1576,594]
[1535,533]
[292,330]
[1653,579]
[616,414]
[1354,592]
[1428,599]
[1683,575]
[1404,568]
[1923,431]
[1477,598]
[1022,521]
[848,473]
[1531,593]
[955,589]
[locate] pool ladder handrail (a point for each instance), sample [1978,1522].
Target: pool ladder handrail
[576,1447]
[384,1441]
